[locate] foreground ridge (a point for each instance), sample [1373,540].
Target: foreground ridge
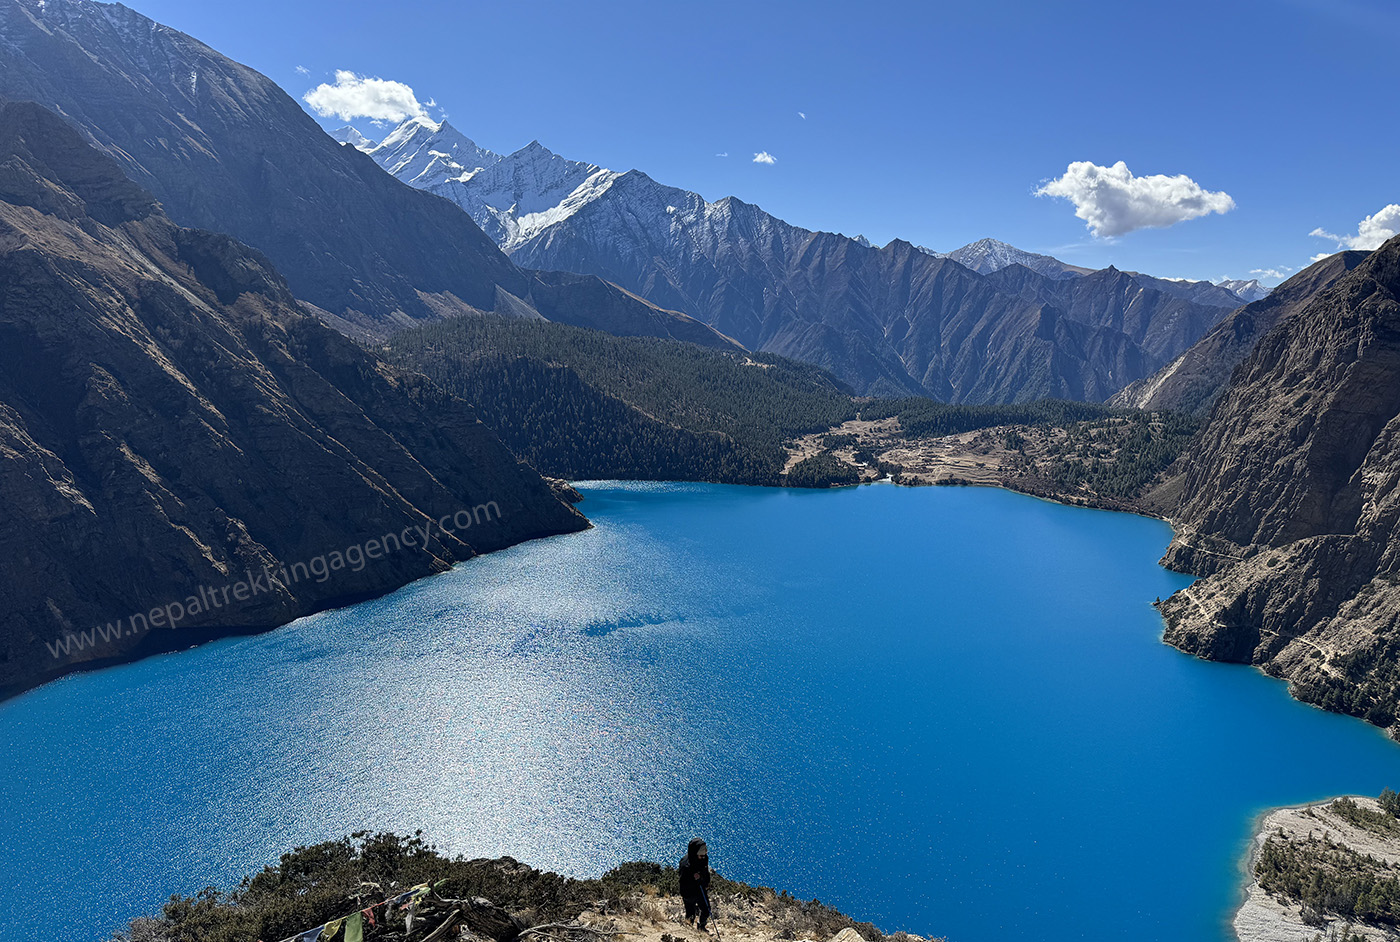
[404,888]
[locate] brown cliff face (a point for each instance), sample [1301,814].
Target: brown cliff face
[1291,499]
[1193,381]
[170,420]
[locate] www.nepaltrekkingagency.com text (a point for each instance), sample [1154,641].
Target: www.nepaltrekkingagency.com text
[318,569]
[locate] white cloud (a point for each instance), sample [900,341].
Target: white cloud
[1113,202]
[303,70]
[802,115]
[1320,256]
[357,96]
[725,154]
[763,157]
[1370,233]
[1281,272]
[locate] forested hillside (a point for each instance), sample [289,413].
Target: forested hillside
[581,403]
[925,418]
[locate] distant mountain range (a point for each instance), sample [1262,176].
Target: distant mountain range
[223,148]
[889,321]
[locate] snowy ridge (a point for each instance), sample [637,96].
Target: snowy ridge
[520,195]
[988,255]
[512,197]
[426,153]
[519,198]
[348,135]
[1247,291]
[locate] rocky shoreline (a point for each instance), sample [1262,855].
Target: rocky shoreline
[1027,459]
[1305,850]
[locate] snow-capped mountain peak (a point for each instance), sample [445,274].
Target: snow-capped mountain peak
[425,153]
[348,135]
[512,197]
[1248,291]
[988,255]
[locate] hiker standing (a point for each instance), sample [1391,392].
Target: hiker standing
[694,871]
[695,882]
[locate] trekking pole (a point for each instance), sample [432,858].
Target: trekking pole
[714,917]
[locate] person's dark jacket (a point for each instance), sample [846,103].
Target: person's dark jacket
[691,864]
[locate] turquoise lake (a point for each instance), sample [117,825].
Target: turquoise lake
[944,710]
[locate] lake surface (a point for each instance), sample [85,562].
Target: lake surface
[944,710]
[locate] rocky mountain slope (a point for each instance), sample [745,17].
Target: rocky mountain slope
[1290,502]
[1157,320]
[223,148]
[890,321]
[1192,381]
[174,427]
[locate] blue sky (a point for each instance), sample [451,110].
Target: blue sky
[926,121]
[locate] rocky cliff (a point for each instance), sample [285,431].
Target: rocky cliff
[174,427]
[1193,381]
[223,148]
[1290,503]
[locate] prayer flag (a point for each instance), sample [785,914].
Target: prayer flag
[355,928]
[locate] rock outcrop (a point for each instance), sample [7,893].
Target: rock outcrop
[173,426]
[1290,501]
